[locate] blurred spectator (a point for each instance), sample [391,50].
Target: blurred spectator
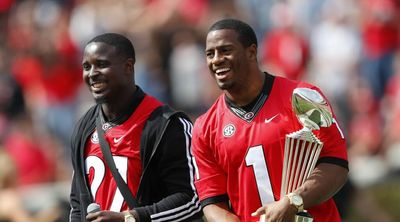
[380,37]
[12,208]
[32,153]
[151,75]
[61,80]
[391,113]
[11,99]
[188,78]
[50,75]
[335,52]
[365,134]
[12,102]
[5,5]
[285,49]
[254,11]
[83,22]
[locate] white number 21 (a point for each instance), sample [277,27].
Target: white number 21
[99,170]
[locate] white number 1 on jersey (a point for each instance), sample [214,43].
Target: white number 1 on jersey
[255,158]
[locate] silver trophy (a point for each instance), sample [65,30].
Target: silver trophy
[302,148]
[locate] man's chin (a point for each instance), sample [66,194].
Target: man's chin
[223,86]
[100,100]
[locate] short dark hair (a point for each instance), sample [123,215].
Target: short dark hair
[246,34]
[122,44]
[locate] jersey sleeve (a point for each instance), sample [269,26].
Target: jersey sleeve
[334,140]
[75,212]
[210,179]
[172,195]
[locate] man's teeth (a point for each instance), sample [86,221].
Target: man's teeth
[97,85]
[222,70]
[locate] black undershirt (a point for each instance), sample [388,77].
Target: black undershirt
[136,99]
[249,111]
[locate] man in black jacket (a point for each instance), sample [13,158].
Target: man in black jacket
[149,144]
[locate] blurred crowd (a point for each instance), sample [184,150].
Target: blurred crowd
[349,48]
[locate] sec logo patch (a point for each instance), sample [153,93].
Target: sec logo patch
[229,130]
[95,137]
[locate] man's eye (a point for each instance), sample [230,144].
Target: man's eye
[226,50]
[103,64]
[209,55]
[86,67]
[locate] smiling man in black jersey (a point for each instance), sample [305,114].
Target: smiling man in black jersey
[149,143]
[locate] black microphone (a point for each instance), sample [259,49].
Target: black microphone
[93,208]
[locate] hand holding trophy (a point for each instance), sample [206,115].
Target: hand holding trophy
[302,148]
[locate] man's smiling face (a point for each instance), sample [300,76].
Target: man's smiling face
[226,58]
[104,71]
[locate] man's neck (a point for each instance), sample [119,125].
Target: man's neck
[246,95]
[116,108]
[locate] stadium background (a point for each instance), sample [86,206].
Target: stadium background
[349,48]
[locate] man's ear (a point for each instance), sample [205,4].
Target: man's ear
[130,65]
[252,52]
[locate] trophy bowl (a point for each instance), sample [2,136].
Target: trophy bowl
[311,108]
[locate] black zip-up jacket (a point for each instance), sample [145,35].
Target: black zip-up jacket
[166,191]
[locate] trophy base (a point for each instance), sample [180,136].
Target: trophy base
[303,217]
